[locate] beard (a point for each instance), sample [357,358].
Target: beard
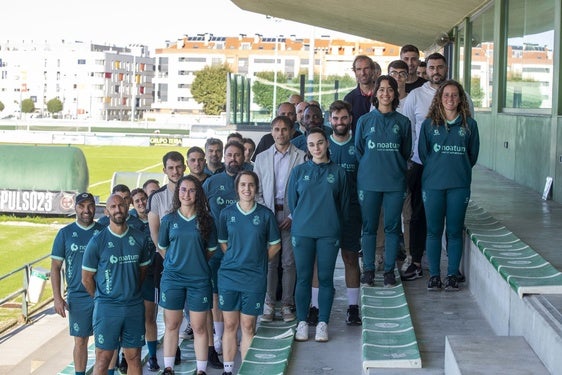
[233,168]
[341,131]
[118,219]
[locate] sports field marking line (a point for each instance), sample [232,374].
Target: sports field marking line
[108,181]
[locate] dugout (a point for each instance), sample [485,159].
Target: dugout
[41,179]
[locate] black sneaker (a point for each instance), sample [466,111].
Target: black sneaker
[389,279]
[123,365]
[168,371]
[434,283]
[368,278]
[187,333]
[312,318]
[213,358]
[201,373]
[460,277]
[177,360]
[227,373]
[153,364]
[451,283]
[412,272]
[353,318]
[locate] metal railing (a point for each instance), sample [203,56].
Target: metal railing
[24,291]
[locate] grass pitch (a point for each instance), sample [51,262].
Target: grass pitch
[29,238]
[103,161]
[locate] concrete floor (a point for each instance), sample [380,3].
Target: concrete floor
[434,314]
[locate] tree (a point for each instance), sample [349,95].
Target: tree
[27,106]
[209,88]
[264,82]
[263,89]
[54,106]
[2,106]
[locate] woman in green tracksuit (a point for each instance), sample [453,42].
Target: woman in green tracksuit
[318,196]
[448,147]
[383,143]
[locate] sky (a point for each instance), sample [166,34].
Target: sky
[142,21]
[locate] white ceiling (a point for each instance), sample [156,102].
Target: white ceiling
[399,22]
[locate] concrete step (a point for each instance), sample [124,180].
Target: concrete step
[473,355]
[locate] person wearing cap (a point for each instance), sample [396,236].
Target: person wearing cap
[68,248]
[113,268]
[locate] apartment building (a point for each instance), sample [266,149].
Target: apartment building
[101,82]
[177,63]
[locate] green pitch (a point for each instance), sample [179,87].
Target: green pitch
[104,160]
[26,239]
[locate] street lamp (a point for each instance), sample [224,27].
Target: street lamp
[276,20]
[275,73]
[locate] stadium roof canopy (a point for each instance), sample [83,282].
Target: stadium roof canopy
[418,22]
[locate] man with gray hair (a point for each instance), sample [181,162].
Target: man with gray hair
[366,73]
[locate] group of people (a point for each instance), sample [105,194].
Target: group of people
[253,223]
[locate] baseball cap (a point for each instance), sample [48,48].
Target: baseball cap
[84,197]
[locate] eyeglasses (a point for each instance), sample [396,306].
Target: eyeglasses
[395,74]
[186,190]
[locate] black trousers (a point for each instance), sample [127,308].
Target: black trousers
[418,225]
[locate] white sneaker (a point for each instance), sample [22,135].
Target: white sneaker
[288,315]
[406,263]
[302,332]
[321,332]
[268,313]
[217,342]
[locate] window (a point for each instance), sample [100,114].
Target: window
[529,54]
[482,59]
[193,59]
[81,61]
